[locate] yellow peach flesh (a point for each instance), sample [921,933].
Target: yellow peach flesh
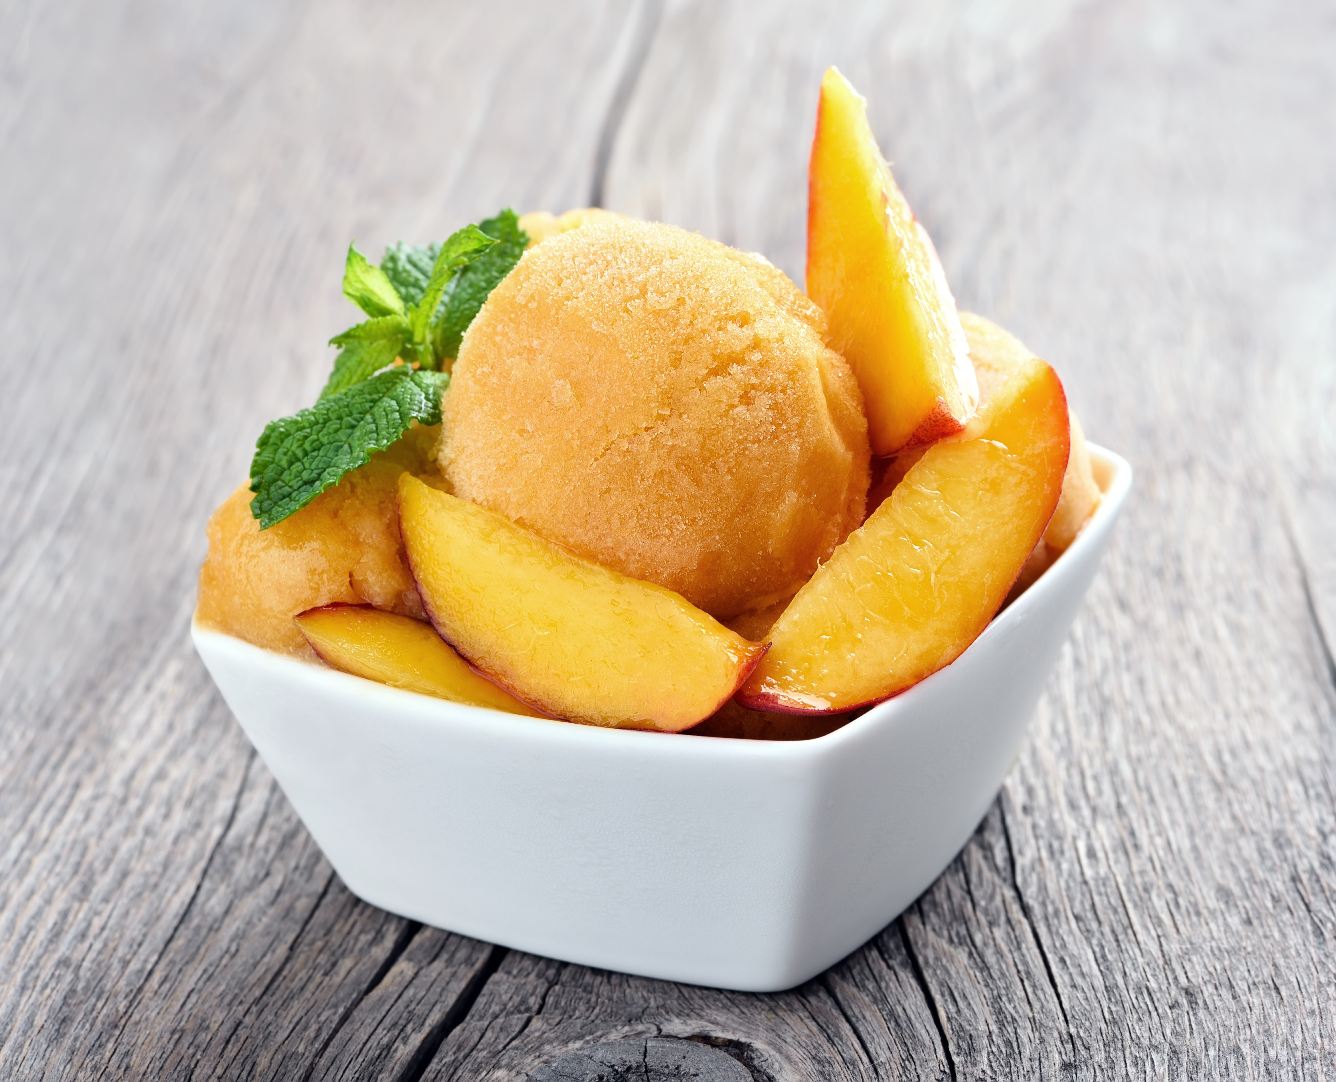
[873,270]
[401,652]
[576,639]
[997,355]
[916,584]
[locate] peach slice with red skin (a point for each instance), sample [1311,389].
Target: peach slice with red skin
[909,590]
[741,723]
[575,639]
[997,355]
[401,652]
[873,270]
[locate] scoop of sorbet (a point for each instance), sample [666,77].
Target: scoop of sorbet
[662,404]
[343,546]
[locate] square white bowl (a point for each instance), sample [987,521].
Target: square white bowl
[750,865]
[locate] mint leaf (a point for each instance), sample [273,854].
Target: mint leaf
[299,457]
[364,350]
[420,300]
[408,267]
[478,279]
[368,287]
[460,281]
[378,328]
[360,360]
[459,248]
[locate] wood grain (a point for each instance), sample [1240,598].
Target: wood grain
[1143,193]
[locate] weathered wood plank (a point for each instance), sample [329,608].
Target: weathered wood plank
[1136,190]
[1153,895]
[178,201]
[648,1059]
[535,1012]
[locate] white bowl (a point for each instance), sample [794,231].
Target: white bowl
[750,865]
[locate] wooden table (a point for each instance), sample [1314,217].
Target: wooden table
[1144,193]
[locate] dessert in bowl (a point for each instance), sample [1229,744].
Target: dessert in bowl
[586,494]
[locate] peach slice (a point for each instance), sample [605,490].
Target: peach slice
[873,270]
[398,651]
[737,721]
[1080,494]
[889,472]
[577,640]
[997,355]
[910,589]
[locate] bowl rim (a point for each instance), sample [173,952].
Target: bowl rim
[1113,475]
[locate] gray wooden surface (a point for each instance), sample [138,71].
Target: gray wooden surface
[1144,192]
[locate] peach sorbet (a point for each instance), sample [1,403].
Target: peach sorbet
[664,405]
[344,546]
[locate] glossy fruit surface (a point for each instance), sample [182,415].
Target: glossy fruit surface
[401,652]
[579,641]
[875,273]
[916,584]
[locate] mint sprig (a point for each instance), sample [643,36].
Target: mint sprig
[368,287]
[408,267]
[299,457]
[455,256]
[476,281]
[359,360]
[401,327]
[391,368]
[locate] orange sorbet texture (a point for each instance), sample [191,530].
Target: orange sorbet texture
[664,405]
